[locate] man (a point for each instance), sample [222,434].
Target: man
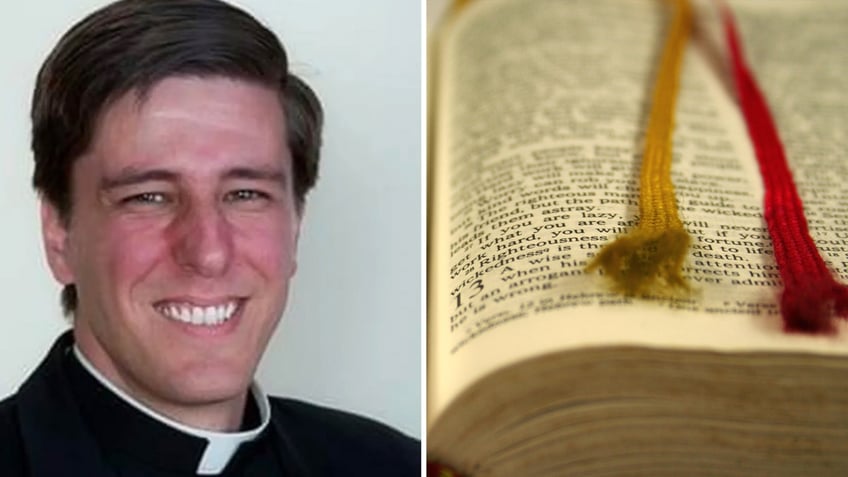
[173,152]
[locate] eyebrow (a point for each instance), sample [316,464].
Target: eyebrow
[262,174]
[132,176]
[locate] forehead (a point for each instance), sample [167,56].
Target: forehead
[188,121]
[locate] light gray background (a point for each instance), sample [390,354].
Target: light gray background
[351,337]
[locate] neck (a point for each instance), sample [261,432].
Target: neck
[216,417]
[220,416]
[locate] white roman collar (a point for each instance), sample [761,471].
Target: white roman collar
[221,446]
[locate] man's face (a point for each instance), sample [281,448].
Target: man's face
[182,239]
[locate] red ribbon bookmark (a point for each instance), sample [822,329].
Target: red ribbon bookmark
[811,296]
[437,469]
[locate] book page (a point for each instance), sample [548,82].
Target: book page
[539,121]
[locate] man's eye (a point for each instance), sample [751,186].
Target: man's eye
[245,195]
[146,198]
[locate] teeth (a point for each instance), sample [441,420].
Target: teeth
[210,316]
[199,315]
[184,315]
[196,315]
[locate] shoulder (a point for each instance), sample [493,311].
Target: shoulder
[347,439]
[12,461]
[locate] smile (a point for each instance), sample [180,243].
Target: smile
[213,315]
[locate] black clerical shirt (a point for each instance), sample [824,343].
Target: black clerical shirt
[63,421]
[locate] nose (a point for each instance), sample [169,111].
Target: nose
[202,243]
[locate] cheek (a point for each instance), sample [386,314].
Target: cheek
[268,246]
[124,253]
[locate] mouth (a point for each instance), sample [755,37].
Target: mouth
[203,315]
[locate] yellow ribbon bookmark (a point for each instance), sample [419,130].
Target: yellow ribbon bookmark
[649,258]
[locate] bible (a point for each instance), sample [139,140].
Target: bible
[537,116]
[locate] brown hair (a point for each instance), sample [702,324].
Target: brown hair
[130,45]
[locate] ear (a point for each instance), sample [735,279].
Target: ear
[55,235]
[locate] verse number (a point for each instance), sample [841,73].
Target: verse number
[475,288]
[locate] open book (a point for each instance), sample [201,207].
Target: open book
[537,115]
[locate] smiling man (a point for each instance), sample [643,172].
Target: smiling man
[173,153]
